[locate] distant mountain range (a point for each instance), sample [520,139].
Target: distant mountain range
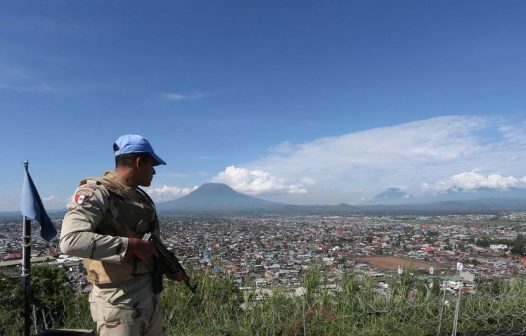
[395,196]
[218,198]
[17,215]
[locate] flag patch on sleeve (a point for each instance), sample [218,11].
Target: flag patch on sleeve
[82,195]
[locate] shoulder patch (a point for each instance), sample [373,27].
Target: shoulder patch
[84,193]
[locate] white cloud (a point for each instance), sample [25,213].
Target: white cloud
[515,133]
[308,181]
[38,88]
[49,198]
[168,193]
[180,96]
[283,148]
[408,154]
[54,202]
[256,182]
[473,180]
[438,139]
[15,79]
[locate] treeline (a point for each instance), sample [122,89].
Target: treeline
[516,246]
[357,307]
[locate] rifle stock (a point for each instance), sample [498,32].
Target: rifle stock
[169,263]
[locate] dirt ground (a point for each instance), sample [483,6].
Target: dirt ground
[389,263]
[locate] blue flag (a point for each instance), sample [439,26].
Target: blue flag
[31,206]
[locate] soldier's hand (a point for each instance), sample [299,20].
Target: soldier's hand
[524,261]
[175,276]
[142,249]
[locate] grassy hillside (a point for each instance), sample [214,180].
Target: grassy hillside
[408,307]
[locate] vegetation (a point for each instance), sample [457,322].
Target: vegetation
[358,307]
[53,299]
[11,305]
[517,246]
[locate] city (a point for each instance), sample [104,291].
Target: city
[263,253]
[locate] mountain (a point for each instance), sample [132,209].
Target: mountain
[10,215]
[218,197]
[392,195]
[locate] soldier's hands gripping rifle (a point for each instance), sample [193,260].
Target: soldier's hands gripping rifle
[167,263]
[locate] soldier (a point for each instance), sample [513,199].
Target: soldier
[106,219]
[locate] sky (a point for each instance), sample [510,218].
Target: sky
[293,101]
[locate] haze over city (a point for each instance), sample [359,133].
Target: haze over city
[297,102]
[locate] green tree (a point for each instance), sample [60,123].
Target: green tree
[50,291]
[483,242]
[11,305]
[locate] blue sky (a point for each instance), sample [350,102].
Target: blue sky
[294,101]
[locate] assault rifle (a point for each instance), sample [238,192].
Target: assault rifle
[166,263]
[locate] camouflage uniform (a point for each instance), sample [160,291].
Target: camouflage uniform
[101,215]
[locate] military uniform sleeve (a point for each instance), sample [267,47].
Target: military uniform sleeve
[78,237]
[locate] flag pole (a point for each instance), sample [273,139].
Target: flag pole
[26,268]
[32,209]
